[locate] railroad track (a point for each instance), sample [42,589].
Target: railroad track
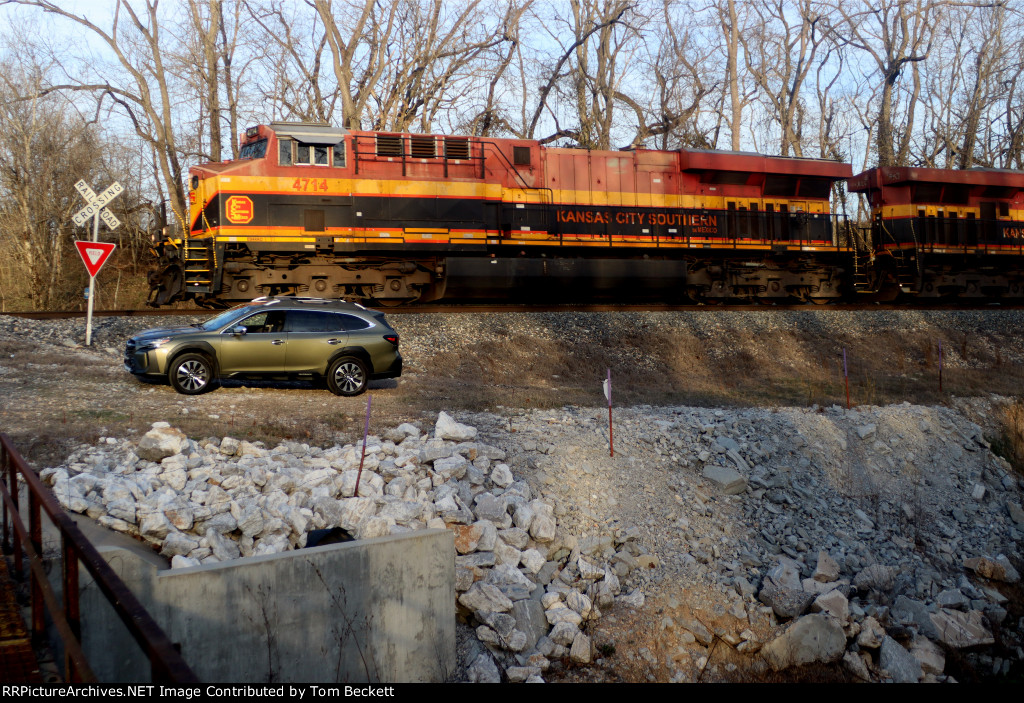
[521,307]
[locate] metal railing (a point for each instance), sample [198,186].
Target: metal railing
[27,544]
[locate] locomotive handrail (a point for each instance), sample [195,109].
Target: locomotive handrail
[166,663]
[511,168]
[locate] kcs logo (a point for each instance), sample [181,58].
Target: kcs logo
[238,209]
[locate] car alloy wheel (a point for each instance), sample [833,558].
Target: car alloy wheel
[191,374]
[347,376]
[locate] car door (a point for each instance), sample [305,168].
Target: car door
[313,338]
[258,350]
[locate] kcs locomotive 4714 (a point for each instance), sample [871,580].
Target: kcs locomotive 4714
[389,218]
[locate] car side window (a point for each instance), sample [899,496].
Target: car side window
[264,322]
[351,323]
[311,321]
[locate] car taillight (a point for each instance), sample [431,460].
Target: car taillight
[393,338]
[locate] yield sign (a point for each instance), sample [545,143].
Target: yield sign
[94,255]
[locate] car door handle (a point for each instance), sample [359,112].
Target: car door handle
[277,341]
[334,341]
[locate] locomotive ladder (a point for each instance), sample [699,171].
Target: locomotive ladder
[861,261]
[200,263]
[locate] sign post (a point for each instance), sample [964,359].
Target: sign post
[95,254]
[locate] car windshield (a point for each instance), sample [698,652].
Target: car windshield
[225,318]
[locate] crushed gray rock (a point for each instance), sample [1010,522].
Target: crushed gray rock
[863,516]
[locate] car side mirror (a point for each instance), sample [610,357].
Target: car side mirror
[239,330]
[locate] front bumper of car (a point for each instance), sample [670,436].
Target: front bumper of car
[145,359]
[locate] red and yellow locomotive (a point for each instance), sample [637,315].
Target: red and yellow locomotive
[394,218]
[941,233]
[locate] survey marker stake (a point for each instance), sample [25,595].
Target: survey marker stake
[940,366]
[366,433]
[608,394]
[846,376]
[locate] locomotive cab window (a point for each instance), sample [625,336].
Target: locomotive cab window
[255,150]
[293,152]
[312,154]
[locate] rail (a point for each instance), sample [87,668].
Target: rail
[166,663]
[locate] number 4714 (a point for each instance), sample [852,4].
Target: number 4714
[307,184]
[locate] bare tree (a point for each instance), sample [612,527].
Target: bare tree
[139,87]
[779,59]
[295,62]
[44,150]
[896,35]
[587,69]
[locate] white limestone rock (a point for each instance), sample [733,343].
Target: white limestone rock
[827,569]
[160,442]
[183,562]
[522,516]
[833,603]
[502,475]
[375,526]
[451,467]
[154,526]
[178,544]
[354,511]
[901,664]
[506,554]
[871,634]
[448,428]
[961,630]
[563,633]
[483,670]
[532,561]
[590,571]
[812,638]
[515,537]
[485,596]
[929,655]
[581,649]
[580,603]
[223,548]
[562,613]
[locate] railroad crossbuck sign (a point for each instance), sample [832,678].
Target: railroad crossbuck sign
[96,203]
[94,255]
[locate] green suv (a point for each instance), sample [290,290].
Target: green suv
[342,343]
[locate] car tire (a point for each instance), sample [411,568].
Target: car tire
[347,376]
[191,374]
